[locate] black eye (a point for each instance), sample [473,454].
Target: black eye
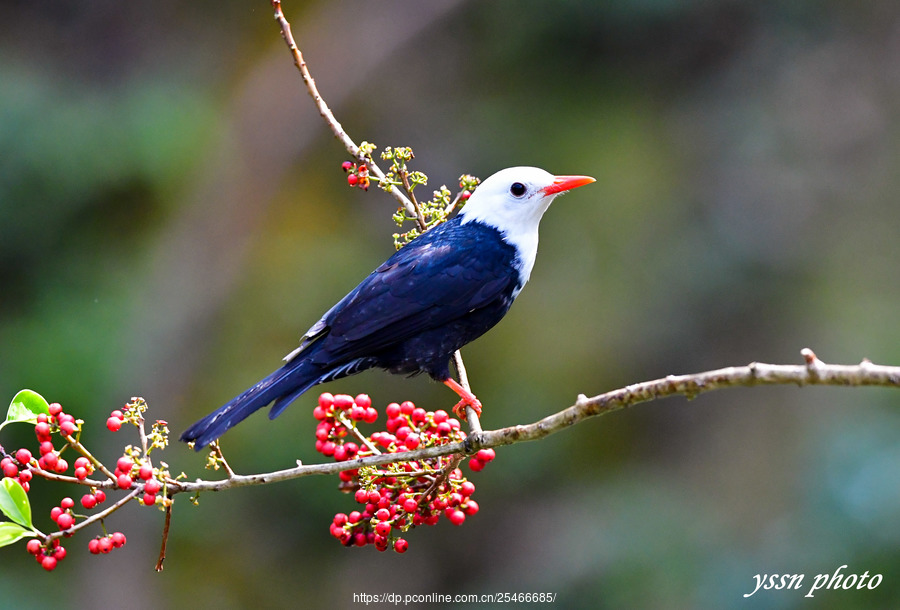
[517,189]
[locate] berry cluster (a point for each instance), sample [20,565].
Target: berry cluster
[47,556]
[400,495]
[104,544]
[357,176]
[132,469]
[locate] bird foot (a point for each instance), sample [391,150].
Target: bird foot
[468,399]
[460,408]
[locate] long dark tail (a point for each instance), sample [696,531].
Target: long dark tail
[282,386]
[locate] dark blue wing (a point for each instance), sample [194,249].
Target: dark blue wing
[440,277]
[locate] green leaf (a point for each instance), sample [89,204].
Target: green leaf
[25,407]
[11,532]
[14,502]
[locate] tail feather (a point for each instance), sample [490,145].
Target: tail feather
[283,386]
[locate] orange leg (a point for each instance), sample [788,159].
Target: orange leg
[468,399]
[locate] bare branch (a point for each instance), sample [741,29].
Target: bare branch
[814,372]
[325,111]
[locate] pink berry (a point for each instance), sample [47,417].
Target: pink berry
[123,481]
[10,469]
[33,546]
[114,424]
[61,465]
[347,166]
[343,402]
[88,501]
[45,447]
[392,410]
[361,496]
[146,472]
[383,514]
[100,495]
[25,476]
[67,428]
[55,512]
[67,503]
[81,473]
[42,428]
[116,414]
[410,505]
[54,408]
[152,486]
[407,407]
[94,546]
[82,462]
[467,488]
[105,545]
[48,563]
[363,401]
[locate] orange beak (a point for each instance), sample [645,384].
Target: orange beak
[562,184]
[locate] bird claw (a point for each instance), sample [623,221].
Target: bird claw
[460,409]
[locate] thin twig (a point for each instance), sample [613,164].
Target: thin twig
[165,539]
[326,112]
[95,517]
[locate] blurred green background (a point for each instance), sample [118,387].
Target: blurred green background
[173,216]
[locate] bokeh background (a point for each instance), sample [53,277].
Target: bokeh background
[173,216]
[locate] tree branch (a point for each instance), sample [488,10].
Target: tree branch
[813,372]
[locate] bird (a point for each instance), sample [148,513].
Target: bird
[444,289]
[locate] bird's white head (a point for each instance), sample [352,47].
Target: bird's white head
[513,201]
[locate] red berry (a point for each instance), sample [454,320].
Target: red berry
[411,441]
[94,546]
[26,486]
[118,539]
[340,519]
[340,453]
[105,545]
[23,456]
[149,499]
[361,496]
[45,447]
[50,460]
[25,476]
[54,408]
[410,505]
[371,415]
[146,472]
[65,521]
[42,428]
[383,514]
[401,545]
[363,401]
[123,481]
[81,473]
[486,455]
[343,402]
[61,465]
[476,465]
[48,563]
[457,517]
[352,179]
[33,546]
[467,488]
[10,469]
[67,428]
[116,413]
[59,553]
[440,415]
[383,528]
[88,501]
[67,503]
[124,464]
[407,407]
[82,462]
[100,495]
[470,507]
[347,166]
[113,424]
[392,410]
[152,486]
